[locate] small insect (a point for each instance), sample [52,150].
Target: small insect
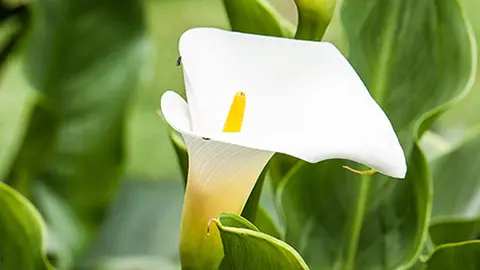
[179,61]
[206,139]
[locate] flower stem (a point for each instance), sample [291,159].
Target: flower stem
[199,248]
[310,28]
[357,222]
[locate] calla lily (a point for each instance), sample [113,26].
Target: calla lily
[300,98]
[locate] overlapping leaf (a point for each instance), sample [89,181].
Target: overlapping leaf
[456,201]
[84,59]
[21,233]
[463,255]
[246,248]
[337,219]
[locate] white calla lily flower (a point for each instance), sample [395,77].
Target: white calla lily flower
[300,98]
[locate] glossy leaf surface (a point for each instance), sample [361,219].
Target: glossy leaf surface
[246,248]
[22,233]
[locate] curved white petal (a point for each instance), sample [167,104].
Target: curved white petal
[222,173]
[176,112]
[303,99]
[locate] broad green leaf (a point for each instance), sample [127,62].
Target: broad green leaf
[17,100]
[456,205]
[269,203]
[21,233]
[84,57]
[428,249]
[336,220]
[417,59]
[279,166]
[255,210]
[245,248]
[144,220]
[463,255]
[236,221]
[251,207]
[256,17]
[265,223]
[454,230]
[465,114]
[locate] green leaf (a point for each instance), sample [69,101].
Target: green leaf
[182,154]
[265,223]
[253,210]
[251,207]
[17,100]
[454,230]
[456,209]
[21,232]
[256,17]
[75,140]
[246,248]
[335,219]
[279,166]
[236,221]
[417,59]
[463,255]
[144,220]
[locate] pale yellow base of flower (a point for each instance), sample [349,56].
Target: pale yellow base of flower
[205,200]
[199,250]
[220,179]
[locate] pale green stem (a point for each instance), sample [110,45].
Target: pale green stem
[357,222]
[311,28]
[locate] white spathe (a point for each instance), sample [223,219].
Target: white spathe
[303,99]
